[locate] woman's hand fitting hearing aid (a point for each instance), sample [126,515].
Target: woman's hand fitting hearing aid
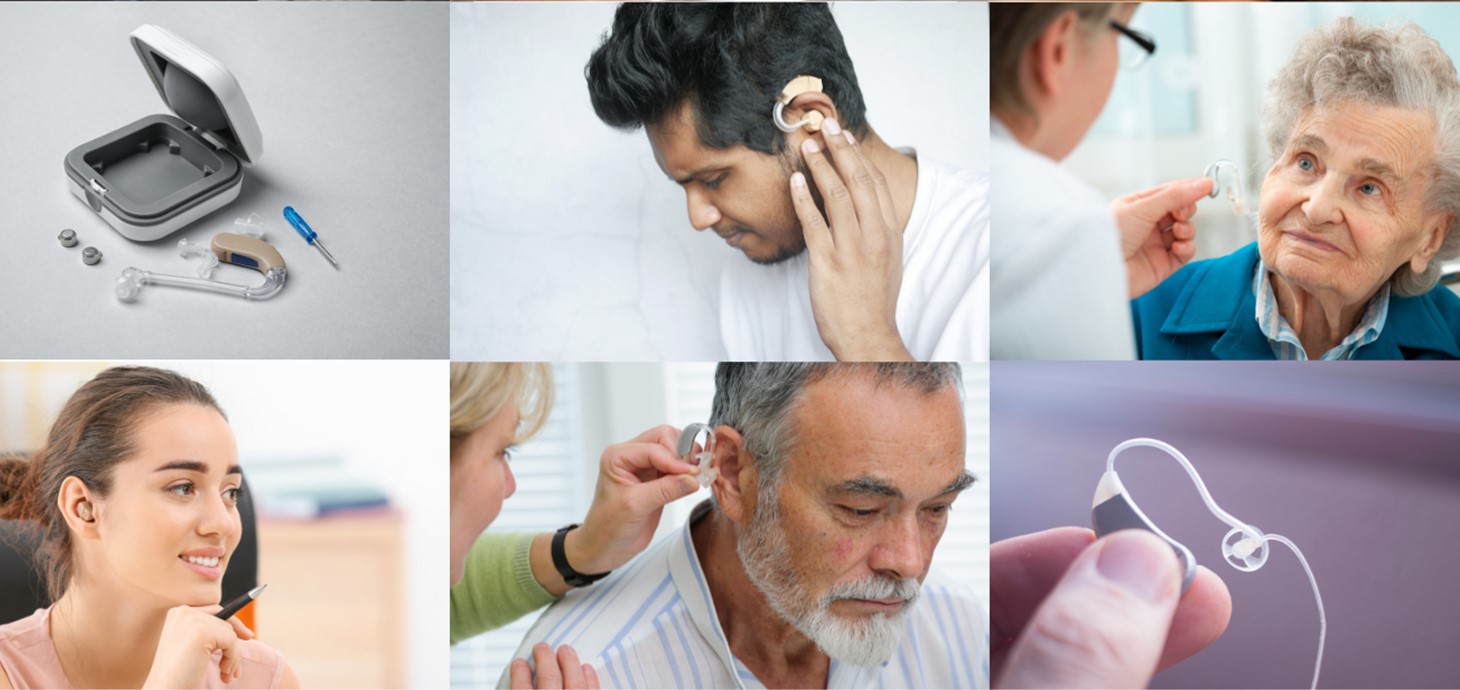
[1067,610]
[636,479]
[855,250]
[1156,234]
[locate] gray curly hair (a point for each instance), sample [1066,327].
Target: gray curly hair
[1399,66]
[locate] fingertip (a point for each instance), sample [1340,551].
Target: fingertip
[798,181]
[810,146]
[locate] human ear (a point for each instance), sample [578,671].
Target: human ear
[737,475]
[803,107]
[1051,55]
[1437,227]
[77,506]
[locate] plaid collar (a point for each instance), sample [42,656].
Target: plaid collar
[1284,340]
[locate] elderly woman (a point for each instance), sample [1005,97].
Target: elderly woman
[1357,213]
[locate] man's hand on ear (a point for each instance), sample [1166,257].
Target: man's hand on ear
[855,254]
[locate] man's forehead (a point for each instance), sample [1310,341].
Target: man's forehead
[846,429]
[678,149]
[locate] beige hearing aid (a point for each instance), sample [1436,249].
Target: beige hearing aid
[84,510]
[800,85]
[247,251]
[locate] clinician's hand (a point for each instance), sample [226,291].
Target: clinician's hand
[554,670]
[855,254]
[1151,255]
[636,479]
[1068,611]
[190,635]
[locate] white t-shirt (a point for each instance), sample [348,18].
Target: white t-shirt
[942,308]
[1060,288]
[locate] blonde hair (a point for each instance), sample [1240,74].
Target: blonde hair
[480,390]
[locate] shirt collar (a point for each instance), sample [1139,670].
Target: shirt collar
[1284,340]
[694,590]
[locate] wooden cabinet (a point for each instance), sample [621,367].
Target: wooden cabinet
[335,606]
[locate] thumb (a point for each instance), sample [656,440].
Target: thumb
[668,489]
[1105,623]
[1168,198]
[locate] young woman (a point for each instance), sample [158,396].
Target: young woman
[135,497]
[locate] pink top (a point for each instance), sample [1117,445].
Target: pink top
[29,658]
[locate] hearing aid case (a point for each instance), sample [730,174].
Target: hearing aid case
[161,173]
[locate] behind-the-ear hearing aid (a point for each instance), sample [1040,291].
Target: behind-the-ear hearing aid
[812,120]
[83,509]
[227,247]
[703,461]
[1244,547]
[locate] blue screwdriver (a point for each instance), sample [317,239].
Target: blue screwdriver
[295,220]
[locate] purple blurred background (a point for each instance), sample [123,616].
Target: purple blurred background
[1356,462]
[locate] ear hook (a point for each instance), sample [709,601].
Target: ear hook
[702,461]
[796,87]
[1244,547]
[1235,189]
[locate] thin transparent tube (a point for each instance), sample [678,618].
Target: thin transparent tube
[1322,619]
[1226,517]
[1201,486]
[273,283]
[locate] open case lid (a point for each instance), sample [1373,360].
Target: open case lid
[200,90]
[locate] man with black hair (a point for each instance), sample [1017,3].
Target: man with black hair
[860,251]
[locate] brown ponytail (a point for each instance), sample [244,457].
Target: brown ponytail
[17,484]
[92,434]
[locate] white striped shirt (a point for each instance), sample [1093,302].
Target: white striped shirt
[652,624]
[1284,340]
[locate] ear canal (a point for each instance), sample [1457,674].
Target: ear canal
[813,120]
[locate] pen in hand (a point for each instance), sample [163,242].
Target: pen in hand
[233,607]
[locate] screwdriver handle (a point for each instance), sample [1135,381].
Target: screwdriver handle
[298,222]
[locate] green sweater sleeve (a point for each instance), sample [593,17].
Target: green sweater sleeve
[497,586]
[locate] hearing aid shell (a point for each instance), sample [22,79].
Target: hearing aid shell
[1234,187]
[800,85]
[1114,510]
[703,461]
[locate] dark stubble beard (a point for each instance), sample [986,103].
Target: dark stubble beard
[791,163]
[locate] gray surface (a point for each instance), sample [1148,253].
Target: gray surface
[352,100]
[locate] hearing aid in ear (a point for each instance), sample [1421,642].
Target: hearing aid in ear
[1244,547]
[703,461]
[83,509]
[800,85]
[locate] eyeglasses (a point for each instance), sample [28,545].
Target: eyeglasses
[1134,58]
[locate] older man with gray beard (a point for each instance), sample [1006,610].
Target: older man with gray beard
[810,566]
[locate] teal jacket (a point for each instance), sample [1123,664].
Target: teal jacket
[1207,311]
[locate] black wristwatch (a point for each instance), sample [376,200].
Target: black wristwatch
[560,561]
